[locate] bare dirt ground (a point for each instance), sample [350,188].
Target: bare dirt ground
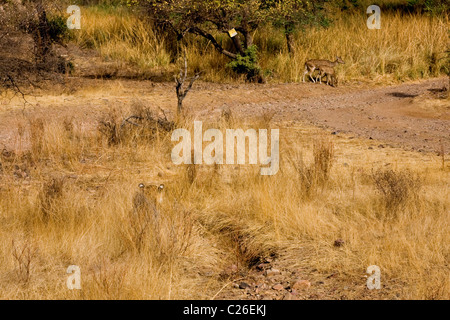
[408,115]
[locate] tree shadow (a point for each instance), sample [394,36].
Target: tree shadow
[402,95]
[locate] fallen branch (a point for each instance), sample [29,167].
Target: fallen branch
[128,120]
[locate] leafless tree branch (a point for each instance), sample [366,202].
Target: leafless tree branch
[179,82]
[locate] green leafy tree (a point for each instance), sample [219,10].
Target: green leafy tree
[293,15]
[208,18]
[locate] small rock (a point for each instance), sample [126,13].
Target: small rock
[262,266]
[278,287]
[287,296]
[272,272]
[208,274]
[243,285]
[339,243]
[301,285]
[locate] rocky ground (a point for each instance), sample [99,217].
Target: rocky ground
[283,279]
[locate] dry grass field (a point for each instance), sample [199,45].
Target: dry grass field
[70,169]
[67,199]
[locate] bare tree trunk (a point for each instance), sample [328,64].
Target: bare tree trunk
[42,39]
[290,42]
[237,44]
[248,38]
[179,81]
[289,38]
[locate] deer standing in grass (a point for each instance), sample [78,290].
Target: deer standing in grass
[329,73]
[312,65]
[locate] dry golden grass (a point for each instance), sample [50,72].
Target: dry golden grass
[402,49]
[120,35]
[69,201]
[66,194]
[408,46]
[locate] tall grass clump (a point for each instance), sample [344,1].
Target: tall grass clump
[122,35]
[313,175]
[396,188]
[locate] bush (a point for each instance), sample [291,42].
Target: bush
[396,188]
[57,29]
[248,64]
[142,126]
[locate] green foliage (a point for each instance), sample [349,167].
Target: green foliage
[432,7]
[247,63]
[130,3]
[57,29]
[104,3]
[436,6]
[348,4]
[291,15]
[208,18]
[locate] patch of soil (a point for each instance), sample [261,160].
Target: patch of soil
[408,115]
[286,278]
